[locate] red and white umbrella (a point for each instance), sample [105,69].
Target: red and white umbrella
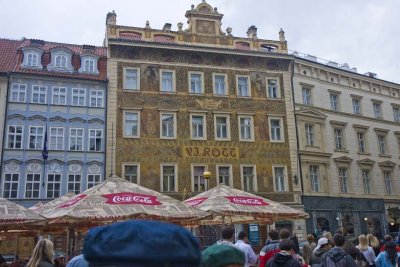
[40,206]
[12,214]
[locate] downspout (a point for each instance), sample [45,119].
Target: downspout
[105,130]
[4,130]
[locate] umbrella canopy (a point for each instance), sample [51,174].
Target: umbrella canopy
[11,214]
[229,205]
[40,206]
[118,199]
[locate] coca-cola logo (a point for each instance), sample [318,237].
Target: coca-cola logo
[195,201]
[72,201]
[249,201]
[131,198]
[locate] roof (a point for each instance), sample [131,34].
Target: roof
[8,54]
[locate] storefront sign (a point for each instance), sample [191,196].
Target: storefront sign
[248,201]
[196,201]
[72,201]
[213,152]
[131,198]
[254,234]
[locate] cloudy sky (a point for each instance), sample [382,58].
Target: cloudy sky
[363,33]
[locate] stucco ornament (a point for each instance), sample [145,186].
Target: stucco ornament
[12,167]
[94,168]
[75,168]
[55,167]
[33,167]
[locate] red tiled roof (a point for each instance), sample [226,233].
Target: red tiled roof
[8,54]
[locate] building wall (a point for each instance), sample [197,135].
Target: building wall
[3,97]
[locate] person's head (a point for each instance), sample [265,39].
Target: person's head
[353,252]
[323,243]
[287,245]
[273,234]
[391,252]
[243,236]
[373,241]
[310,238]
[349,229]
[227,233]
[363,242]
[338,232]
[284,234]
[327,235]
[338,240]
[387,238]
[43,251]
[222,256]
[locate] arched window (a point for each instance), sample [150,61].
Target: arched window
[61,61]
[88,65]
[32,60]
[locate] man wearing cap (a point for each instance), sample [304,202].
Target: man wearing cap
[337,256]
[320,250]
[222,256]
[241,244]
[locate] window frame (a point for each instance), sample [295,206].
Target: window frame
[281,127]
[74,182]
[174,130]
[278,88]
[173,84]
[377,110]
[388,182]
[385,148]
[54,184]
[95,140]
[124,82]
[367,189]
[15,136]
[341,138]
[310,134]
[192,176]
[76,138]
[129,164]
[62,56]
[228,127]
[124,123]
[359,112]
[59,95]
[285,178]
[225,83]
[309,102]
[57,137]
[33,183]
[242,176]
[190,73]
[334,106]
[11,182]
[318,176]
[85,64]
[252,137]
[204,116]
[36,61]
[97,98]
[217,166]
[396,114]
[343,185]
[94,175]
[248,86]
[19,92]
[79,96]
[39,93]
[162,165]
[37,146]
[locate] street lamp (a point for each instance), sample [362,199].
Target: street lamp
[206,176]
[394,213]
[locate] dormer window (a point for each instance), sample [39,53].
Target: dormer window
[60,61]
[32,56]
[32,60]
[88,65]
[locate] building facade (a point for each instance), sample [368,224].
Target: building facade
[348,134]
[196,99]
[55,121]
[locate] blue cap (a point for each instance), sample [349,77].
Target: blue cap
[141,243]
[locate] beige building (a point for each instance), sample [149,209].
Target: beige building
[348,146]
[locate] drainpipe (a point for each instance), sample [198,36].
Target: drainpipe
[4,129]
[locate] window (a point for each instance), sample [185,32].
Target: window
[377,110]
[339,144]
[273,88]
[243,86]
[356,106]
[78,97]
[224,175]
[248,178]
[93,180]
[387,176]
[246,128]
[344,180]
[280,179]
[196,83]
[95,140]
[96,98]
[396,114]
[314,178]
[168,178]
[334,98]
[131,173]
[76,139]
[198,129]
[36,135]
[61,61]
[32,185]
[56,138]
[306,92]
[367,181]
[53,185]
[168,125]
[222,127]
[88,65]
[59,96]
[18,93]
[276,129]
[74,183]
[362,148]
[132,81]
[220,84]
[310,135]
[39,94]
[32,60]
[10,185]
[382,144]
[132,124]
[14,137]
[167,81]
[199,183]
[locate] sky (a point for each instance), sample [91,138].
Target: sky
[363,33]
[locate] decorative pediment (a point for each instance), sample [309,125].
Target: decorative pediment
[16,161]
[312,113]
[75,162]
[96,121]
[365,162]
[37,117]
[56,161]
[380,130]
[338,123]
[77,119]
[387,163]
[95,162]
[360,127]
[16,116]
[343,159]
[38,161]
[58,118]
[61,49]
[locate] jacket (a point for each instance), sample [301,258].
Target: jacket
[337,257]
[283,259]
[45,263]
[268,251]
[382,260]
[316,257]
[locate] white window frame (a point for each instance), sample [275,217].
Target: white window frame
[281,129]
[20,90]
[396,114]
[387,179]
[367,181]
[98,97]
[334,102]
[162,165]
[59,95]
[125,82]
[203,115]
[190,73]
[248,86]
[310,134]
[316,185]
[356,109]
[174,125]
[53,183]
[201,177]
[242,177]
[228,126]
[230,173]
[88,65]
[15,135]
[74,182]
[37,145]
[137,112]
[129,164]
[307,98]
[34,182]
[173,81]
[94,182]
[41,91]
[277,88]
[33,62]
[377,109]
[285,178]
[57,137]
[215,89]
[76,137]
[63,59]
[382,144]
[95,137]
[80,94]
[344,179]
[251,117]
[339,139]
[12,183]
[364,141]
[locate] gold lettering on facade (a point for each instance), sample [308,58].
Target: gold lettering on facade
[209,103]
[214,152]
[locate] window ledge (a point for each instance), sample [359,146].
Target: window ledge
[244,97]
[131,90]
[168,93]
[243,140]
[227,140]
[277,141]
[364,153]
[275,98]
[384,155]
[314,146]
[341,150]
[217,95]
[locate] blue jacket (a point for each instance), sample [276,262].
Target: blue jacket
[382,260]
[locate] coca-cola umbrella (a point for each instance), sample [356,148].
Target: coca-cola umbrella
[40,206]
[118,199]
[14,215]
[229,205]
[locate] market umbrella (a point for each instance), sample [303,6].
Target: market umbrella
[118,199]
[229,205]
[12,214]
[40,206]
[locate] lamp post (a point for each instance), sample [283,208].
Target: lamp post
[206,176]
[394,213]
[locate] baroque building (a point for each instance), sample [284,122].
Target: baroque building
[55,118]
[199,99]
[349,146]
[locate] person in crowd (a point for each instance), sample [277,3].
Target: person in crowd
[284,258]
[78,261]
[228,234]
[284,234]
[142,243]
[366,250]
[295,240]
[337,256]
[350,235]
[222,256]
[308,248]
[357,256]
[388,238]
[373,242]
[328,236]
[320,250]
[272,247]
[242,244]
[389,257]
[42,255]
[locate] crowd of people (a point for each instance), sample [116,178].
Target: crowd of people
[155,244]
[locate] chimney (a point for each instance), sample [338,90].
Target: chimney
[371,74]
[252,32]
[37,42]
[167,27]
[111,18]
[89,49]
[282,35]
